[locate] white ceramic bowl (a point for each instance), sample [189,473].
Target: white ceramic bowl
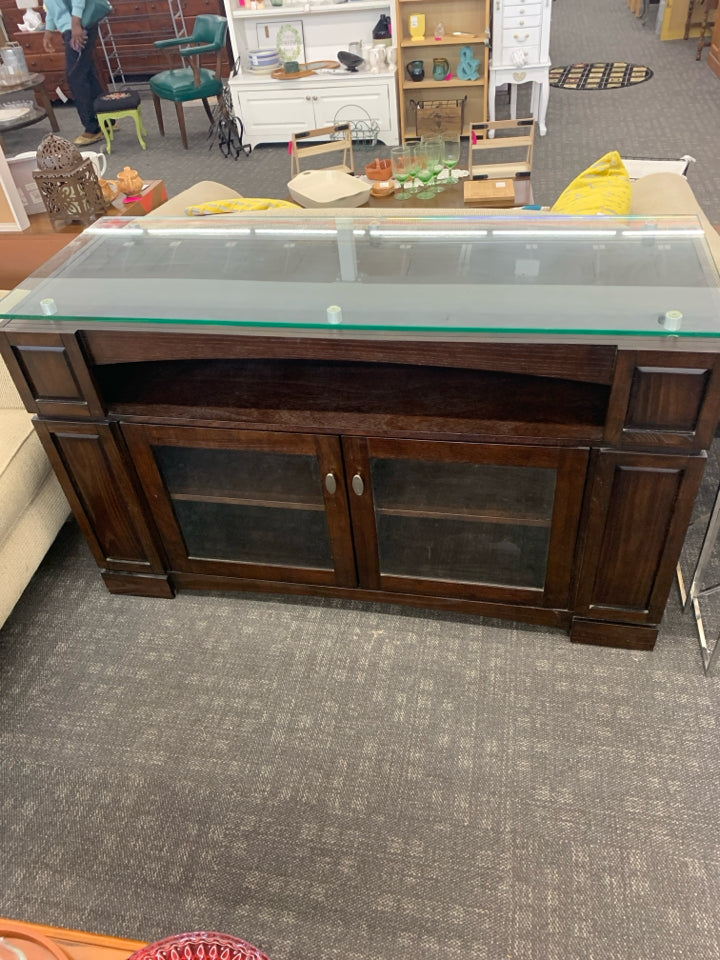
[328,188]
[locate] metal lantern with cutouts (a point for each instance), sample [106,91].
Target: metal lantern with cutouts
[67,182]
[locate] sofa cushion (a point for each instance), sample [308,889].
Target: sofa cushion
[201,192]
[24,466]
[604,188]
[238,205]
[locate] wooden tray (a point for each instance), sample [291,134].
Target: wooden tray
[306,70]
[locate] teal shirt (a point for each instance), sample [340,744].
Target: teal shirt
[58,15]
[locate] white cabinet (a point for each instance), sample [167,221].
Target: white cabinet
[521,53]
[272,110]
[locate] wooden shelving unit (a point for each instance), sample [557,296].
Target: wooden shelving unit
[466,23]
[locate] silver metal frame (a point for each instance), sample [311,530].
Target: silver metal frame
[693,594]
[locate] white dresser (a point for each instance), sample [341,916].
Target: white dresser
[521,53]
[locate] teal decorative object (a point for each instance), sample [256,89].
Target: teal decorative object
[469,66]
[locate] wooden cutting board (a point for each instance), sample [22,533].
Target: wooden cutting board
[306,70]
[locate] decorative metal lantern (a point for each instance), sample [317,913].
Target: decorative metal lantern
[67,182]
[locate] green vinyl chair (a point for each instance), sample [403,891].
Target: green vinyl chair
[191,82]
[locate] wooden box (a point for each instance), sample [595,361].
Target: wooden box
[489,193]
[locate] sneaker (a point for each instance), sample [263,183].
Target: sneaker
[86,138]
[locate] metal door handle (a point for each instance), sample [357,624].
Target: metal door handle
[330,483]
[358,485]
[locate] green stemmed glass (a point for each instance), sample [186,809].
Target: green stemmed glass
[451,154]
[402,163]
[435,146]
[414,166]
[425,173]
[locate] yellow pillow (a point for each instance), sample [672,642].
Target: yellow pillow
[603,188]
[236,205]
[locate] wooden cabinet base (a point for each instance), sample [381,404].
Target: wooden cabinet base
[139,584]
[546,482]
[604,634]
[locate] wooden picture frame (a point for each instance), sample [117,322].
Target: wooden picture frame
[12,211]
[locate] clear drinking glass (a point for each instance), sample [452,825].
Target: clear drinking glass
[402,164]
[451,153]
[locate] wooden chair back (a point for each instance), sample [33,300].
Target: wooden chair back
[502,149]
[340,135]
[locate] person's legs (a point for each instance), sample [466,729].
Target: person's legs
[83,79]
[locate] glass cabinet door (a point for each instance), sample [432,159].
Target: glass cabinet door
[247,503]
[477,521]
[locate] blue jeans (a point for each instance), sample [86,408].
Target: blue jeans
[82,78]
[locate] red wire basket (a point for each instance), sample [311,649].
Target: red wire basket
[201,945]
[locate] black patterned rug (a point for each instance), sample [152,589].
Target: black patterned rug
[598,76]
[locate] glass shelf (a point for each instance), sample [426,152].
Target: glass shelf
[554,274]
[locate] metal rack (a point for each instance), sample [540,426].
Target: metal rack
[110,49]
[692,595]
[110,52]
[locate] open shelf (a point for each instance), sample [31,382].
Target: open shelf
[471,18]
[355,397]
[445,42]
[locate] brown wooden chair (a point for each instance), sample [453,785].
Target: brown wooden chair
[706,23]
[502,149]
[340,139]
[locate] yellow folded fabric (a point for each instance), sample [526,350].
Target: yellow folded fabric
[236,205]
[604,188]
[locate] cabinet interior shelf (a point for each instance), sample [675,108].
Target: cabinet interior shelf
[466,516]
[450,512]
[424,84]
[246,501]
[445,42]
[288,12]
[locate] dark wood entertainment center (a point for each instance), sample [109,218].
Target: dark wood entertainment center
[547,477]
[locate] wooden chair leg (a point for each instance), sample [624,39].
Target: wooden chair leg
[158,114]
[181,123]
[208,111]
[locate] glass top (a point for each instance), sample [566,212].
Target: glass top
[511,274]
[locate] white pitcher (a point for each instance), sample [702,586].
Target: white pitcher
[99,160]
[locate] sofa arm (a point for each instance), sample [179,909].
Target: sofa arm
[670,195]
[9,397]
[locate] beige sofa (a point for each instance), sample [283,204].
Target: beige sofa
[655,195]
[32,505]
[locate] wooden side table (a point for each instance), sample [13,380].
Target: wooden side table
[35,82]
[154,193]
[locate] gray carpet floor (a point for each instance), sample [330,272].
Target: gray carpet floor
[343,781]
